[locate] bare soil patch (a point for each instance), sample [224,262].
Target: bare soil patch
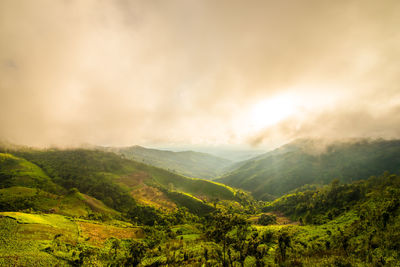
[97,234]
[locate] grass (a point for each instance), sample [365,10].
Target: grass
[193,204]
[73,204]
[151,196]
[25,238]
[16,192]
[27,218]
[16,171]
[81,205]
[97,234]
[187,232]
[196,187]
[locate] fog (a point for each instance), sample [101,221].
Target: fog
[192,72]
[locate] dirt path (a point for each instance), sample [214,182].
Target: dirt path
[280,219]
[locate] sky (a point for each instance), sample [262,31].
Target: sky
[198,72]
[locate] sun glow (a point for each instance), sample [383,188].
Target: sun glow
[271,111]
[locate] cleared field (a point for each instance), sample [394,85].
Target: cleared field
[97,234]
[149,195]
[34,239]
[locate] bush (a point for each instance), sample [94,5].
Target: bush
[267,219]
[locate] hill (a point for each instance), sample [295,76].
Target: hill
[356,222]
[313,162]
[120,183]
[73,203]
[18,171]
[187,163]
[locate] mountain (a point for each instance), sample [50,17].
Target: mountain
[305,162]
[119,183]
[16,171]
[234,153]
[188,163]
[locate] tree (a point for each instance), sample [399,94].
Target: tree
[116,244]
[308,218]
[136,252]
[267,219]
[220,228]
[283,244]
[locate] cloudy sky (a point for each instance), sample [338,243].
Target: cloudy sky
[198,71]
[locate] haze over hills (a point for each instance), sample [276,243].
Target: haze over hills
[313,162]
[244,112]
[188,163]
[234,153]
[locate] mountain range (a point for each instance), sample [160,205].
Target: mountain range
[187,163]
[306,162]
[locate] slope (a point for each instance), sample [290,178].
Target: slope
[356,222]
[188,163]
[114,180]
[73,203]
[18,171]
[311,162]
[56,240]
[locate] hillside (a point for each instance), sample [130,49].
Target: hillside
[312,162]
[73,203]
[56,240]
[81,207]
[187,163]
[18,171]
[356,222]
[120,183]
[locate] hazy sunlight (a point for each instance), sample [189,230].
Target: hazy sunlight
[271,111]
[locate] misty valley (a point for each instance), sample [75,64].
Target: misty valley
[204,133]
[302,204]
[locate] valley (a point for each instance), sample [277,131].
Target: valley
[199,133]
[90,207]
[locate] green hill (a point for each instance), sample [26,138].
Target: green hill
[359,221]
[73,203]
[18,171]
[187,163]
[311,162]
[117,181]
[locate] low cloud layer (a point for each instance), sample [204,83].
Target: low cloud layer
[190,72]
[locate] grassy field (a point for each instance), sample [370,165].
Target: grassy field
[47,239]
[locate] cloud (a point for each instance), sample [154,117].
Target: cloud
[139,72]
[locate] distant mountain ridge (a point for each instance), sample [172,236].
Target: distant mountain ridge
[188,163]
[313,162]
